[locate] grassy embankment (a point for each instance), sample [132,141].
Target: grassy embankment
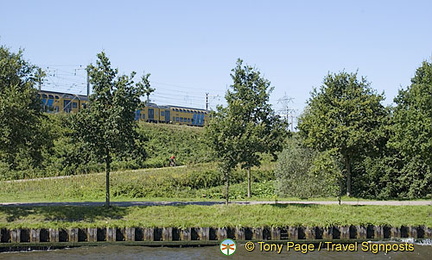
[214,216]
[194,182]
[199,182]
[187,183]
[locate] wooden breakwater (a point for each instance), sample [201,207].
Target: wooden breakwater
[207,234]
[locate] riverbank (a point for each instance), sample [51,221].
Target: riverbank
[46,227]
[234,215]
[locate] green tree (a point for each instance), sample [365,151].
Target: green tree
[145,84]
[248,126]
[344,114]
[262,131]
[107,126]
[222,136]
[21,138]
[412,134]
[303,172]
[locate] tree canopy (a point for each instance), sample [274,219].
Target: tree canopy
[107,125]
[248,126]
[21,137]
[412,134]
[344,114]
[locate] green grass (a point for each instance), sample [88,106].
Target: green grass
[199,182]
[194,182]
[214,216]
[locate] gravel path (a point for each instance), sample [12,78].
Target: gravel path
[209,203]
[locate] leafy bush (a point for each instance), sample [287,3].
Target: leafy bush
[303,172]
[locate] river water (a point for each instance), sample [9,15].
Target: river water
[208,252]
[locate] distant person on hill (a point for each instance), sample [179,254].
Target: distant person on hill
[172,161]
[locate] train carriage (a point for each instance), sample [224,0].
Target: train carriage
[188,116]
[55,102]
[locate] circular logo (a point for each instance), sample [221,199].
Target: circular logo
[228,247]
[250,246]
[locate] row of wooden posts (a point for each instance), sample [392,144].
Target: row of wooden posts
[208,234]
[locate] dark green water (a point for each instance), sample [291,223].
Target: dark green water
[209,252]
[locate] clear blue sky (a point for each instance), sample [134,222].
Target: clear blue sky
[190,47]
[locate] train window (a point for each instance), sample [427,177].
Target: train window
[57,97]
[177,119]
[74,105]
[162,113]
[44,96]
[50,96]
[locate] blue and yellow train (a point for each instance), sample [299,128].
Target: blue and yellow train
[56,102]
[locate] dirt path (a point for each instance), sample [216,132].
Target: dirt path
[209,203]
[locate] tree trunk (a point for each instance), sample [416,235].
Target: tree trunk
[107,182]
[340,186]
[226,187]
[249,182]
[348,172]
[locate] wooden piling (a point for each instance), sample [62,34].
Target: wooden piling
[34,235]
[204,233]
[275,233]
[73,234]
[53,235]
[310,233]
[92,234]
[257,233]
[412,232]
[130,234]
[378,232]
[395,232]
[361,232]
[148,234]
[221,233]
[111,234]
[167,234]
[328,233]
[185,234]
[427,232]
[240,233]
[15,235]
